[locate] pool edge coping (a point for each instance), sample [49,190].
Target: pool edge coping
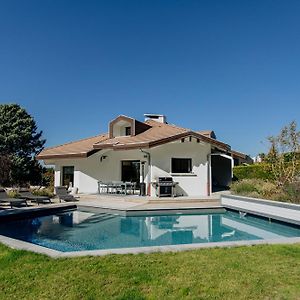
[27,246]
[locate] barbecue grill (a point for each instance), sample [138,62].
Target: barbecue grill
[165,187]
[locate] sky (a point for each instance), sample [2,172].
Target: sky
[230,66]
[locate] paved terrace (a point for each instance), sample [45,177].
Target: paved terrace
[121,203]
[133,202]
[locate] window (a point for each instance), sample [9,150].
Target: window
[181,165]
[67,176]
[128,130]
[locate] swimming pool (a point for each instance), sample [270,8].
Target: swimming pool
[96,229]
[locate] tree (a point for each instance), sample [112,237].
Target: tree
[283,153]
[20,142]
[48,177]
[5,164]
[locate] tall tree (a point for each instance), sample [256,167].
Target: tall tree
[20,142]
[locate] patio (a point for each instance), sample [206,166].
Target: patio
[134,202]
[122,202]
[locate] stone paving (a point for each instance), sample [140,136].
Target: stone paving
[147,203]
[122,203]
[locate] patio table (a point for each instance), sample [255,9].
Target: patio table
[114,187]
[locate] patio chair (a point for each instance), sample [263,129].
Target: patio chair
[26,194]
[130,188]
[102,187]
[62,194]
[4,198]
[117,186]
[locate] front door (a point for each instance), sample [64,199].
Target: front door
[131,171]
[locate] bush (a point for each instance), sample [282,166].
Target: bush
[256,171]
[48,192]
[292,191]
[13,194]
[244,186]
[256,188]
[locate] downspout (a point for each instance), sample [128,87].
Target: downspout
[149,167]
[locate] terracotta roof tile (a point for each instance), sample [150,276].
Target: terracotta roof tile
[80,148]
[158,133]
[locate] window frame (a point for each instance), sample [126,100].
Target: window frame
[128,130]
[189,166]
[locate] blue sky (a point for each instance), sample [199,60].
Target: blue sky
[230,66]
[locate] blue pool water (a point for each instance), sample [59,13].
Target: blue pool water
[88,229]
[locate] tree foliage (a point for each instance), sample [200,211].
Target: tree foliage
[5,165]
[20,142]
[283,154]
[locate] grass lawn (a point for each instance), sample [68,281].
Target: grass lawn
[257,272]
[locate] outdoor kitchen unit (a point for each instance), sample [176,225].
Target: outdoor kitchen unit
[165,187]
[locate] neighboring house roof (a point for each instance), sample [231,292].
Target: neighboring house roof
[81,148]
[239,154]
[155,133]
[242,156]
[209,133]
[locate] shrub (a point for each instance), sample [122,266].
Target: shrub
[13,194]
[48,192]
[267,189]
[256,188]
[244,186]
[292,191]
[256,171]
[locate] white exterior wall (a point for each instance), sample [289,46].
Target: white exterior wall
[119,128]
[57,176]
[87,171]
[194,184]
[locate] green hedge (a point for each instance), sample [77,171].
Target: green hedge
[256,171]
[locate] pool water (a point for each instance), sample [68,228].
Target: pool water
[90,229]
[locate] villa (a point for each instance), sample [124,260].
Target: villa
[146,152]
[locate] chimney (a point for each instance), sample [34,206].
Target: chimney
[156,117]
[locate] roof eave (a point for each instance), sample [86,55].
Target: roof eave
[67,155]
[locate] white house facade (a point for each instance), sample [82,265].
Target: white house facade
[143,152]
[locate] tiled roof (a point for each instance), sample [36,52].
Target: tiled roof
[81,148]
[238,154]
[157,134]
[208,133]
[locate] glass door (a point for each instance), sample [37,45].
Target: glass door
[131,171]
[68,176]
